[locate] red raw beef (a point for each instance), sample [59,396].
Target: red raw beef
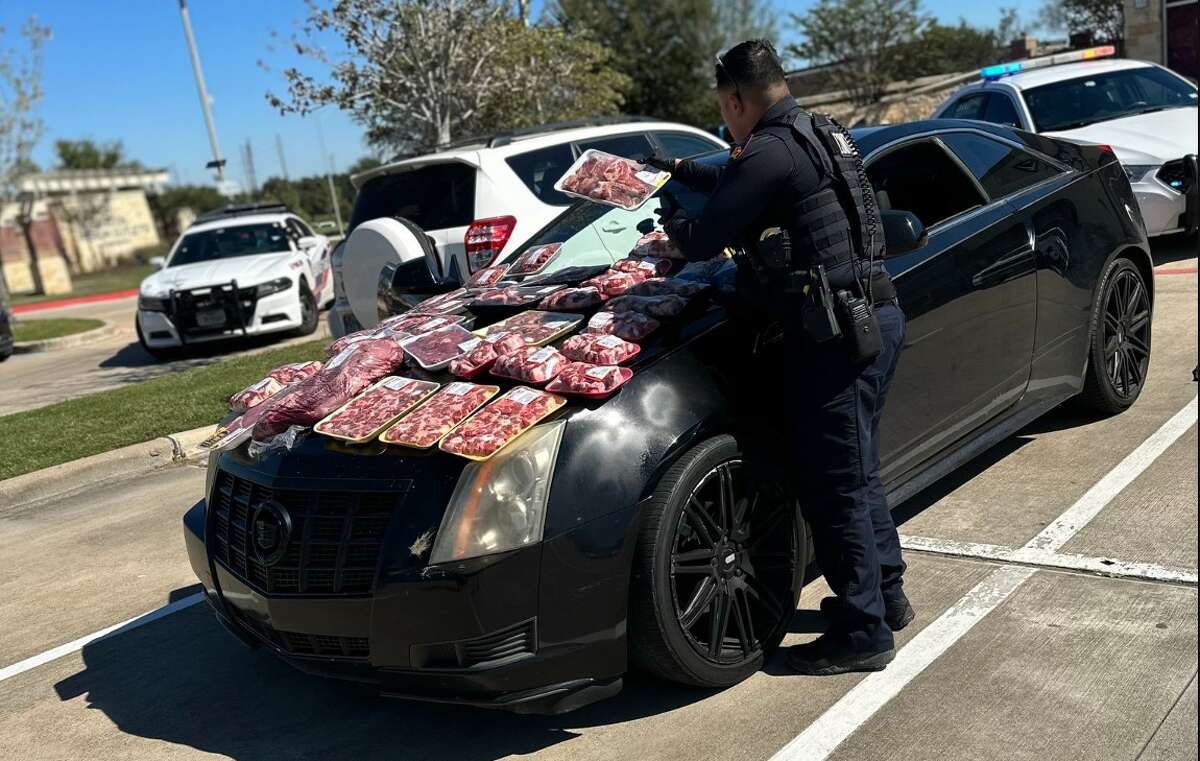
[652,306]
[295,372]
[653,266]
[615,283]
[376,408]
[663,286]
[599,349]
[604,177]
[339,381]
[254,394]
[656,243]
[536,326]
[531,364]
[437,347]
[533,260]
[490,429]
[632,326]
[435,418]
[487,276]
[573,299]
[586,379]
[481,353]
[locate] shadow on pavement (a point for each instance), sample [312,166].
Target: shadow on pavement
[184,680]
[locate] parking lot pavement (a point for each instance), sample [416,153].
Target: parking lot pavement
[1020,649]
[28,381]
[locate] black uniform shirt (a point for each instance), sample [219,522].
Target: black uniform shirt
[758,187]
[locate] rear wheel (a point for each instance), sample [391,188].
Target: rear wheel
[1119,355]
[718,571]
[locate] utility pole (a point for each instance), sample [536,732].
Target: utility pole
[217,162]
[248,167]
[282,160]
[337,212]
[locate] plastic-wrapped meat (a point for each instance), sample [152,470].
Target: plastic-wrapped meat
[424,426]
[533,260]
[537,327]
[586,379]
[573,299]
[254,394]
[653,266]
[568,275]
[340,380]
[341,344]
[632,326]
[435,349]
[531,364]
[490,429]
[444,303]
[368,413]
[706,270]
[660,307]
[487,276]
[663,286]
[480,354]
[610,179]
[295,372]
[656,243]
[514,295]
[615,283]
[416,324]
[599,349]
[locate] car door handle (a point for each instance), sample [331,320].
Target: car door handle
[613,227]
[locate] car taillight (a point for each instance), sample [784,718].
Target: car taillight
[486,238]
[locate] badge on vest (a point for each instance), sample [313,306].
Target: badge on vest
[736,152]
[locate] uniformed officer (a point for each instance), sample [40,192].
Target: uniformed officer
[775,177]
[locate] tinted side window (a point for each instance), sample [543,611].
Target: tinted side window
[677,145]
[434,197]
[1000,110]
[633,146]
[922,178]
[540,169]
[1001,169]
[303,228]
[970,107]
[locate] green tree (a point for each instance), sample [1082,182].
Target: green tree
[1103,19]
[940,49]
[1011,26]
[88,154]
[665,47]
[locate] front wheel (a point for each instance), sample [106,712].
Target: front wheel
[310,316]
[718,571]
[1119,354]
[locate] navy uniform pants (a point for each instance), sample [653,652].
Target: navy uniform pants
[833,421]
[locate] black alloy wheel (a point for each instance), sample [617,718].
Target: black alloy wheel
[309,313]
[720,567]
[1120,351]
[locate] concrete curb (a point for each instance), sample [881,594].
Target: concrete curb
[133,460]
[106,330]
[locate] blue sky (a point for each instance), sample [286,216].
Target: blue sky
[120,71]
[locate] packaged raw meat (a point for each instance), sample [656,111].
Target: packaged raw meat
[537,327]
[435,349]
[706,270]
[573,299]
[240,428]
[662,286]
[340,380]
[338,346]
[487,276]
[426,425]
[295,372]
[632,326]
[254,394]
[585,379]
[534,260]
[653,266]
[599,349]
[660,307]
[612,180]
[513,296]
[444,303]
[507,417]
[411,324]
[532,364]
[480,354]
[656,243]
[613,283]
[364,416]
[568,275]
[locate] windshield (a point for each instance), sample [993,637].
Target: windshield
[595,234]
[1075,103]
[228,242]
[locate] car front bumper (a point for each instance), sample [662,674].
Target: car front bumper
[271,314]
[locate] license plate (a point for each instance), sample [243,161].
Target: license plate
[210,318]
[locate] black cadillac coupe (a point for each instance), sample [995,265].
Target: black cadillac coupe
[626,533]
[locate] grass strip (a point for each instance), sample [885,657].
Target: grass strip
[54,327]
[131,414]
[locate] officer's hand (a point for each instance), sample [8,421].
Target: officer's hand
[659,162]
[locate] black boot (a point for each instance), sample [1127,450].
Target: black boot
[832,654]
[898,611]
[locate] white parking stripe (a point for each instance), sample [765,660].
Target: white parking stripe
[34,661]
[858,705]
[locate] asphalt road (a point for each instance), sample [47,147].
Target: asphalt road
[28,381]
[1019,651]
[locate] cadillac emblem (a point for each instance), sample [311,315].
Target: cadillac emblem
[270,530]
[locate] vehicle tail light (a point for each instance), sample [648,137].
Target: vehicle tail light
[486,238]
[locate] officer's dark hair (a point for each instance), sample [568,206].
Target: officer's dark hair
[751,67]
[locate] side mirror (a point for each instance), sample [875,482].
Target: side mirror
[157,262]
[902,231]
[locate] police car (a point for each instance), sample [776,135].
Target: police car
[1146,113]
[237,271]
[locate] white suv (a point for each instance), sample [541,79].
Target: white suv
[480,198]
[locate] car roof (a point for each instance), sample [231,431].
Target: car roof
[1024,80]
[871,138]
[223,223]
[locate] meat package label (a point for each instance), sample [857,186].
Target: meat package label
[653,179]
[494,337]
[436,322]
[467,346]
[396,384]
[610,342]
[259,386]
[600,373]
[342,356]
[600,319]
[522,395]
[541,355]
[557,324]
[458,388]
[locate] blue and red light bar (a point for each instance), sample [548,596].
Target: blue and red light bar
[1071,56]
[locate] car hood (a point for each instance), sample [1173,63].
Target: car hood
[1143,139]
[246,270]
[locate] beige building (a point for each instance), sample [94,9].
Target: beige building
[1166,32]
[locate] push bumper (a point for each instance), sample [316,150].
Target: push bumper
[272,314]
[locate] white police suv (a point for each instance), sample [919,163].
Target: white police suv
[237,271]
[1144,112]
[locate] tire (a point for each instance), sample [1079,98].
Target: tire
[680,587]
[161,354]
[1119,348]
[310,315]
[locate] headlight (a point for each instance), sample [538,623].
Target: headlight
[274,286]
[152,304]
[1135,172]
[500,504]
